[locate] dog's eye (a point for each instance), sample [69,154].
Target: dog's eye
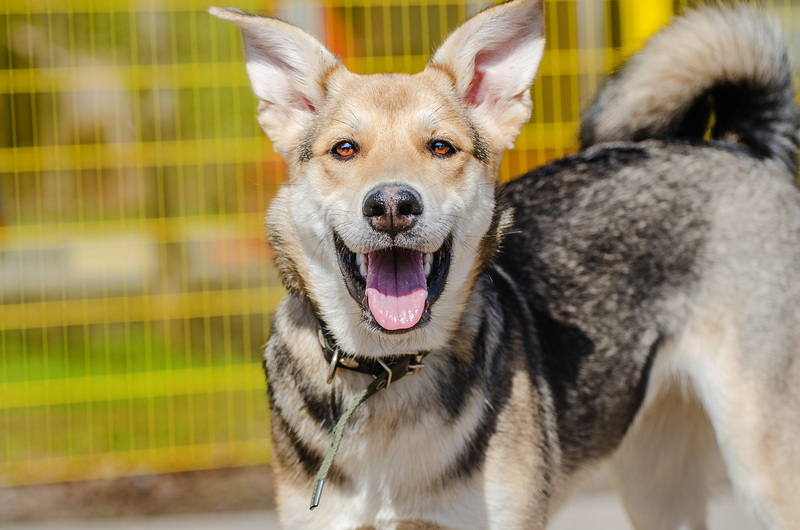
[441,148]
[344,150]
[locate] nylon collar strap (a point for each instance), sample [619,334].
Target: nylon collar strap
[384,374]
[336,358]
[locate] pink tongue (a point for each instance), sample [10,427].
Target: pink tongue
[396,289]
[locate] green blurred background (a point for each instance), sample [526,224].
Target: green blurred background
[136,287]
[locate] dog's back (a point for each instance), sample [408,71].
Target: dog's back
[663,269]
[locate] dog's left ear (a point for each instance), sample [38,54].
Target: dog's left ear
[493,58]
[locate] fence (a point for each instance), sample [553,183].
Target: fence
[135,285]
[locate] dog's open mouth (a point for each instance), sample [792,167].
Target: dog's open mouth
[395,286]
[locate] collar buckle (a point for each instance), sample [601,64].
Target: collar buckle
[334,365]
[388,370]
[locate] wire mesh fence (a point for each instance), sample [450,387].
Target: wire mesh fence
[135,284]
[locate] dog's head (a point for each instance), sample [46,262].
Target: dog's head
[388,213]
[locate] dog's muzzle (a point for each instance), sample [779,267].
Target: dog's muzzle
[395,286]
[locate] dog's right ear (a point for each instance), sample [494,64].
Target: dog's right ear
[287,68]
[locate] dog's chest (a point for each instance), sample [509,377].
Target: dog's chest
[389,478]
[404,464]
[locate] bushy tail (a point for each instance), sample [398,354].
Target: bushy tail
[729,60]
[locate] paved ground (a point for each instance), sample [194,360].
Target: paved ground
[597,510]
[603,511]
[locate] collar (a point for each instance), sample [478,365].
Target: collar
[397,366]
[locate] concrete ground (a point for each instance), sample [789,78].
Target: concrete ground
[594,510]
[601,510]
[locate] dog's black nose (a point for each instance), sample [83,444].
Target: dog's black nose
[392,208]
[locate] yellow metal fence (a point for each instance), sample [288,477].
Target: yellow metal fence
[135,284]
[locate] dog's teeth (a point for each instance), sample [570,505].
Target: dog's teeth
[428,264]
[361,261]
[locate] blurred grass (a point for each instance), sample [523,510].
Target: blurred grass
[110,407]
[97,350]
[59,429]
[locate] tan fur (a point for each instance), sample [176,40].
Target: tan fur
[756,444]
[661,469]
[515,473]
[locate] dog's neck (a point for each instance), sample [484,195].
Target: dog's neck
[336,358]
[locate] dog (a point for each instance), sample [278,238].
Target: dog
[472,350]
